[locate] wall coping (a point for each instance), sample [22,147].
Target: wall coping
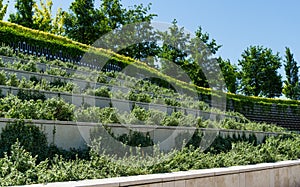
[170,177]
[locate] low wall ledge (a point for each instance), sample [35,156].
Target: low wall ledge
[171,177]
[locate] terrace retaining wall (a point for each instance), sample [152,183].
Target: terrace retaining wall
[281,174]
[68,135]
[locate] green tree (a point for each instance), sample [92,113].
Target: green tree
[291,84]
[58,23]
[193,56]
[113,12]
[196,60]
[87,24]
[143,33]
[81,23]
[42,16]
[173,50]
[201,65]
[230,75]
[43,19]
[259,76]
[3,9]
[174,47]
[130,31]
[24,14]
[205,38]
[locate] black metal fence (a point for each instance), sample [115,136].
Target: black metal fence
[23,47]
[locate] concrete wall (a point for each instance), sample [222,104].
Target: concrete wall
[281,174]
[68,135]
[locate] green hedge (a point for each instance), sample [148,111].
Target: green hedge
[10,32]
[19,167]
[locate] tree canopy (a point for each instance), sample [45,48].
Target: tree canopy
[230,75]
[259,76]
[86,24]
[38,16]
[24,14]
[291,84]
[81,23]
[3,9]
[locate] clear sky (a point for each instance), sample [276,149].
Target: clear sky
[235,24]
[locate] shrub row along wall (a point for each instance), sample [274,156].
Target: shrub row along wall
[44,67]
[77,135]
[122,105]
[279,174]
[285,113]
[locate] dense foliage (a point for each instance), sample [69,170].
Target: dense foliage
[18,166]
[3,9]
[82,23]
[24,14]
[259,76]
[291,87]
[140,90]
[29,136]
[50,109]
[230,75]
[38,16]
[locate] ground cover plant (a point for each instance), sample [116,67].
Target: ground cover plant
[139,90]
[57,109]
[21,165]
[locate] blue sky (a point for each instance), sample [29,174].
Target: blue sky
[235,24]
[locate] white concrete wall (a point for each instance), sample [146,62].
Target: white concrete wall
[281,174]
[68,135]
